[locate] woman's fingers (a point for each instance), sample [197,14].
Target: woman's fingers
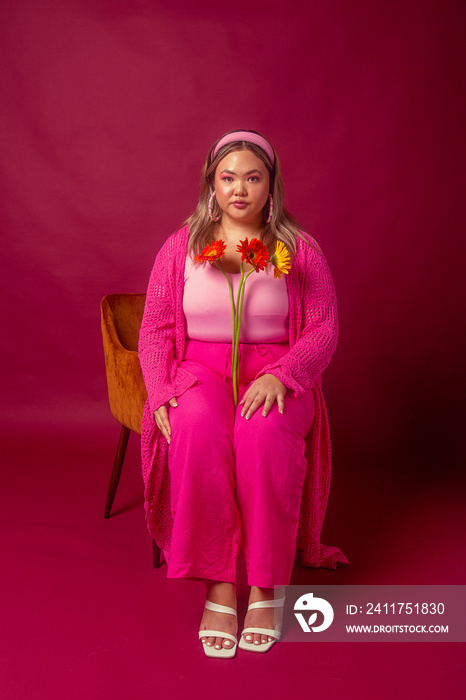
[247,403]
[268,403]
[265,390]
[161,418]
[258,400]
[281,402]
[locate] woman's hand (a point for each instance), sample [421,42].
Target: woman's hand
[161,418]
[264,390]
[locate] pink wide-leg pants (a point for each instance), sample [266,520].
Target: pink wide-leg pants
[235,483]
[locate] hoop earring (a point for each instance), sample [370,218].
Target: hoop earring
[269,218]
[211,204]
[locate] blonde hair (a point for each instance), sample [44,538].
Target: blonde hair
[283,226]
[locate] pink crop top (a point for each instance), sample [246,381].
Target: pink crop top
[206,305]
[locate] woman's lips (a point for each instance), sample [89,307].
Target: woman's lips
[240,205]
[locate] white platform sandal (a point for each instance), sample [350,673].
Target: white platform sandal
[261,648]
[222,653]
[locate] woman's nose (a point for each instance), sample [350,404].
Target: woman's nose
[240,187]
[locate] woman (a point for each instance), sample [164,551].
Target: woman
[218,478]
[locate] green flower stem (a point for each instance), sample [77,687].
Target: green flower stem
[239,313]
[233,318]
[236,314]
[242,300]
[235,342]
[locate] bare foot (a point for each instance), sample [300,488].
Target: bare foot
[222,593]
[270,618]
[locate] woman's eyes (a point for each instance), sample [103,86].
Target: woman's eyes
[253,178]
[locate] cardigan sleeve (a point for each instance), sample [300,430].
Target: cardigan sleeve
[157,338]
[313,310]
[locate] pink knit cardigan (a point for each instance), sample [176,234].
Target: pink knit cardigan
[313,328]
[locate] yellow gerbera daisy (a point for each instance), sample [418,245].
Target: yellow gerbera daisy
[281,260]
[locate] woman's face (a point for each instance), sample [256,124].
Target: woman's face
[242,187]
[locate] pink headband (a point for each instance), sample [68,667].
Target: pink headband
[245,136]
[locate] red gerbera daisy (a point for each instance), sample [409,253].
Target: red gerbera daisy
[212,252]
[254,253]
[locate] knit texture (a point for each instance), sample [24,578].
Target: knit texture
[313,335]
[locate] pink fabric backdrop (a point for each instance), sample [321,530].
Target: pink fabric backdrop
[108,109]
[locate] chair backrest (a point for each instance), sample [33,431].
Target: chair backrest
[124,313]
[121,316]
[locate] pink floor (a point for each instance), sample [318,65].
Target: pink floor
[85,616]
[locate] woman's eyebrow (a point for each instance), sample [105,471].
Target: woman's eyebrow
[250,172]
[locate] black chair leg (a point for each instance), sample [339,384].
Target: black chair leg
[156,558]
[117,466]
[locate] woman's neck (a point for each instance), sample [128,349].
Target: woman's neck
[232,231]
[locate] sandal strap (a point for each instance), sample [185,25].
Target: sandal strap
[276,603]
[262,630]
[217,633]
[216,607]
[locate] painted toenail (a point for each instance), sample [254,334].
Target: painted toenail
[248,637]
[256,642]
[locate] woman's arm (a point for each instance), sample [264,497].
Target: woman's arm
[157,337]
[317,335]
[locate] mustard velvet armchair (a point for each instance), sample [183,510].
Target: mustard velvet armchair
[121,316]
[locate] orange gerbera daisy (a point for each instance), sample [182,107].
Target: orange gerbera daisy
[254,253]
[212,252]
[280,260]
